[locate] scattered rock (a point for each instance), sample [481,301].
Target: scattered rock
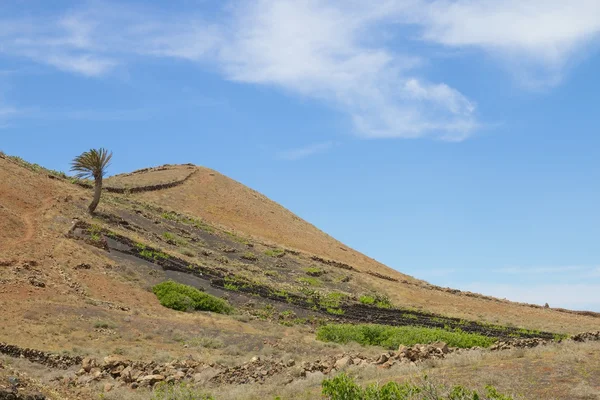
[343,363]
[35,281]
[586,336]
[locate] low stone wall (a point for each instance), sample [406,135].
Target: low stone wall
[40,357]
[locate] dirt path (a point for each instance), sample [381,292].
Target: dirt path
[29,220]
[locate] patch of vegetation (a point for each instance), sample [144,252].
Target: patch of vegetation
[266,312]
[171,216]
[35,167]
[150,254]
[250,256]
[393,336]
[332,302]
[178,391]
[95,232]
[377,300]
[314,271]
[104,325]
[206,342]
[310,281]
[277,253]
[174,239]
[343,387]
[186,298]
[236,237]
[188,252]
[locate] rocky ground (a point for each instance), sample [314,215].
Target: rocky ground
[115,371]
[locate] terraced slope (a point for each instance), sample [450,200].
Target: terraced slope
[220,200]
[78,285]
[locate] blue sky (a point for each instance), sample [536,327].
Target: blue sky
[455,140]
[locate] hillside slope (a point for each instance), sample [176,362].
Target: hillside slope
[221,200]
[80,285]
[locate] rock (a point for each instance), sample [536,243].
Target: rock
[290,363]
[441,346]
[382,359]
[35,281]
[126,374]
[108,387]
[206,375]
[113,361]
[343,363]
[88,363]
[150,380]
[179,375]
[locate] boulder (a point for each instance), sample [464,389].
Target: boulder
[88,363]
[343,363]
[150,380]
[441,346]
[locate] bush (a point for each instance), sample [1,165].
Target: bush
[393,336]
[277,253]
[186,298]
[342,387]
[380,301]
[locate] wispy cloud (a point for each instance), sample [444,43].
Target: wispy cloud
[306,151]
[536,39]
[349,55]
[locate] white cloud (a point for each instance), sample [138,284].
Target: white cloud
[536,38]
[350,54]
[306,151]
[312,48]
[318,49]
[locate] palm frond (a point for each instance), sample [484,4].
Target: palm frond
[91,164]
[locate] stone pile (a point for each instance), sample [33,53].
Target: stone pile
[136,374]
[519,344]
[414,354]
[586,336]
[404,355]
[257,370]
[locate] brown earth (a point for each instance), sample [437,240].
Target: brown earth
[61,294]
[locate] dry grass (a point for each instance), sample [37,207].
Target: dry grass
[36,212]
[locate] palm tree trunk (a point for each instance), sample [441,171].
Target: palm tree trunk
[97,193]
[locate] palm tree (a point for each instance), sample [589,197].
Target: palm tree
[92,164]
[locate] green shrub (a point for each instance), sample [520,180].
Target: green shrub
[393,336]
[315,271]
[310,281]
[342,387]
[377,300]
[250,256]
[149,254]
[275,253]
[186,298]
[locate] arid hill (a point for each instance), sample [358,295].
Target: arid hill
[81,285]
